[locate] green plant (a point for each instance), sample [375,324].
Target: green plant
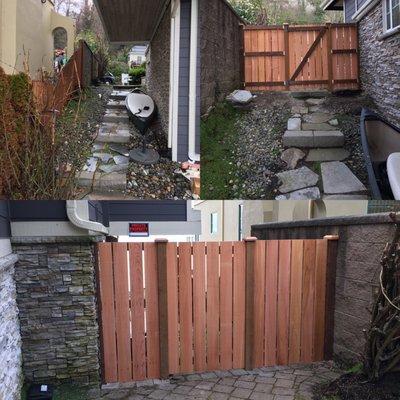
[137,73]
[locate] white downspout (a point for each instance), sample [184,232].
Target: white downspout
[194,26]
[75,219]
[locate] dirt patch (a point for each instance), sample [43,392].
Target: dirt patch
[357,387]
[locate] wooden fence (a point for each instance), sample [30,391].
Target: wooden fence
[170,309]
[280,58]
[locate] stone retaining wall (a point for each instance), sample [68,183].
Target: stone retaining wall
[362,241]
[380,65]
[56,295]
[220,47]
[10,338]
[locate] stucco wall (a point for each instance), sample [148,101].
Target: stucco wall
[361,243]
[56,295]
[220,44]
[380,65]
[10,338]
[158,69]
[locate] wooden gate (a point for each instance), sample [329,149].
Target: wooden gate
[301,57]
[170,309]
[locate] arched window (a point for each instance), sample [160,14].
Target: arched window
[60,37]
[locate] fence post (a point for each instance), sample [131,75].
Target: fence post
[161,249]
[250,244]
[333,243]
[287,61]
[329,52]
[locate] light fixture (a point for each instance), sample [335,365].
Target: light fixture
[43,1]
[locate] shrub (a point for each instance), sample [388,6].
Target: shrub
[137,73]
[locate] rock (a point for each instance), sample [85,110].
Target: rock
[311,193]
[318,127]
[123,150]
[108,169]
[299,110]
[298,139]
[328,154]
[104,157]
[121,160]
[292,156]
[337,178]
[240,97]
[315,102]
[318,117]
[91,165]
[294,124]
[297,179]
[334,122]
[98,146]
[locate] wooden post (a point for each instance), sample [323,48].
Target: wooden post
[161,249]
[333,243]
[287,61]
[329,55]
[250,244]
[242,59]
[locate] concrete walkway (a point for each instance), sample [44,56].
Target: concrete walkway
[272,383]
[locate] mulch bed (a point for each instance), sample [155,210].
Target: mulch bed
[357,387]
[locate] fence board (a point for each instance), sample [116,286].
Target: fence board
[273,54]
[229,305]
[137,310]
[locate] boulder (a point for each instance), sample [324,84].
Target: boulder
[240,97]
[292,156]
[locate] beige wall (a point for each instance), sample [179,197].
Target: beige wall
[259,212]
[27,34]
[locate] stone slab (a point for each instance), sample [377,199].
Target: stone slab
[113,133]
[113,181]
[116,105]
[294,124]
[311,193]
[337,178]
[346,197]
[318,117]
[315,102]
[327,154]
[123,150]
[110,168]
[298,139]
[299,110]
[292,156]
[115,117]
[328,139]
[318,127]
[121,160]
[297,179]
[104,157]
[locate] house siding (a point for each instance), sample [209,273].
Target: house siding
[4,220]
[380,65]
[350,9]
[158,69]
[220,44]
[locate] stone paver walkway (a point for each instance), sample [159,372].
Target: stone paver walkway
[314,142]
[272,383]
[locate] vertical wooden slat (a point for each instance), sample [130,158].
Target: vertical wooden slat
[122,317]
[152,317]
[212,306]
[173,318]
[161,249]
[239,304]
[296,282]
[283,301]
[199,306]
[137,311]
[307,331]
[185,306]
[271,289]
[329,56]
[226,305]
[320,299]
[287,52]
[106,278]
[259,304]
[249,338]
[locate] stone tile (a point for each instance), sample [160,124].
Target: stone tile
[294,124]
[208,375]
[264,387]
[219,396]
[205,385]
[193,377]
[227,381]
[318,127]
[284,391]
[248,378]
[285,397]
[158,394]
[265,379]
[239,372]
[183,389]
[327,154]
[241,393]
[318,118]
[297,179]
[223,388]
[135,397]
[175,396]
[223,374]
[200,393]
[285,383]
[261,396]
[245,384]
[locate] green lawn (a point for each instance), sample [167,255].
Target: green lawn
[217,142]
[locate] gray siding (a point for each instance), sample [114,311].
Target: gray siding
[350,10]
[184,67]
[39,210]
[4,220]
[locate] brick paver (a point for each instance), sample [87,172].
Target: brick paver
[272,383]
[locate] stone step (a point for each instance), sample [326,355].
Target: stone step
[115,116]
[297,179]
[102,181]
[337,179]
[318,127]
[113,133]
[116,105]
[327,154]
[119,95]
[313,139]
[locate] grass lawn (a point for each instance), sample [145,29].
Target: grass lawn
[64,392]
[217,142]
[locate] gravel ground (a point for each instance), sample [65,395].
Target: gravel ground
[259,141]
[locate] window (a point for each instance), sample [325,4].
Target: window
[214,223]
[392,14]
[139,59]
[241,222]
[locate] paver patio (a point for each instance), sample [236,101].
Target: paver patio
[267,383]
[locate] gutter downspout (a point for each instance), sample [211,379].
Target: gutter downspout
[76,220]
[194,34]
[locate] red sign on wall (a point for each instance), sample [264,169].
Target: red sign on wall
[139,229]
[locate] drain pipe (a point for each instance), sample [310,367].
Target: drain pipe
[75,219]
[194,35]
